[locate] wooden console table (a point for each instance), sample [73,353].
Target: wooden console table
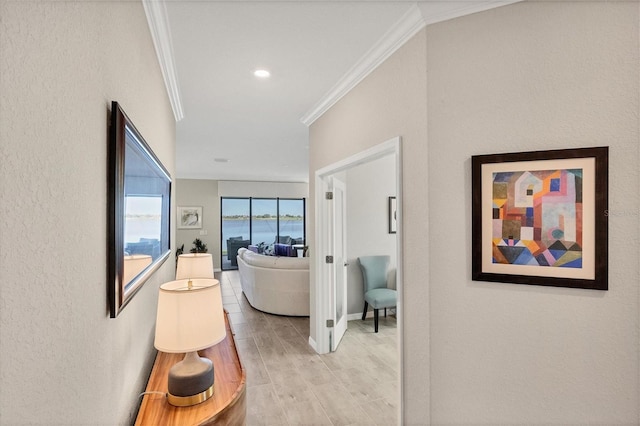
[226,406]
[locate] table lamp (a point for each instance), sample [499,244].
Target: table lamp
[190,317]
[194,265]
[133,265]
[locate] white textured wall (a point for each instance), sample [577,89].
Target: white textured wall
[203,193]
[388,103]
[529,76]
[369,187]
[533,76]
[62,360]
[237,188]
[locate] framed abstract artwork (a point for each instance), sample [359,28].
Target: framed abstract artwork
[189,217]
[540,218]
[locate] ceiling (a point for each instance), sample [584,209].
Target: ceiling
[235,126]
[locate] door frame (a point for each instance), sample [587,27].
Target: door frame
[339,264]
[322,244]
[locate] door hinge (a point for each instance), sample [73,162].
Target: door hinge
[328,259]
[328,195]
[329,323]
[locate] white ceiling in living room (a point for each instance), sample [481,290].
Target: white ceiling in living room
[236,126]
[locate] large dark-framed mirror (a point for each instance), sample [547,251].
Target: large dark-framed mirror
[139,200]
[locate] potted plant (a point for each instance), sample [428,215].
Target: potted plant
[198,246]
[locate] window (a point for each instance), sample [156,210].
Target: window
[291,220]
[264,223]
[260,222]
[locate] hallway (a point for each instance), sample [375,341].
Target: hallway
[289,384]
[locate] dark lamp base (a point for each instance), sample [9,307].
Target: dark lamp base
[190,381]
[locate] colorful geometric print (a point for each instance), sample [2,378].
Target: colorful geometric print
[537,218]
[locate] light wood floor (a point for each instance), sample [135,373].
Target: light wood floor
[288,383]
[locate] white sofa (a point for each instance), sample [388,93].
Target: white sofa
[277,285]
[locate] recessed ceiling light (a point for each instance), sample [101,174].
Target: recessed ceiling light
[262,73]
[221,160]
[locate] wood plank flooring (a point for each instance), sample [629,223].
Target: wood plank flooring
[288,383]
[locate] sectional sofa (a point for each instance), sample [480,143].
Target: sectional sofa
[275,284]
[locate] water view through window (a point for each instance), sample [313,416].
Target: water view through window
[260,222]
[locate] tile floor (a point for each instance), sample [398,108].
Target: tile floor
[288,383]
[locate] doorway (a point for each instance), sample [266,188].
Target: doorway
[324,228]
[326,288]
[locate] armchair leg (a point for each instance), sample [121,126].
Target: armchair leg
[375,319]
[364,312]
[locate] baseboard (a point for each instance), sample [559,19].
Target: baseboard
[358,316]
[217,270]
[353,317]
[313,345]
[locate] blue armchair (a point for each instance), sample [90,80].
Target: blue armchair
[374,273]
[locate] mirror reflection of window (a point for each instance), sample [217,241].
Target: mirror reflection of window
[143,225]
[145,209]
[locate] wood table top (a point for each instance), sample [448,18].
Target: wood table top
[226,406]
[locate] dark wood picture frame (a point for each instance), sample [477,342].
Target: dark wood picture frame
[138,196]
[393,208]
[500,185]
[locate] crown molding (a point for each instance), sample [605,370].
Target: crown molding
[405,28]
[159,26]
[464,8]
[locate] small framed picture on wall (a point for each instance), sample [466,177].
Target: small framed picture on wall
[393,222]
[189,217]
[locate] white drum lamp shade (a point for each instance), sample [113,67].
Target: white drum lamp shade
[190,318]
[133,265]
[194,265]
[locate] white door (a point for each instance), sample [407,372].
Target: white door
[339,269]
